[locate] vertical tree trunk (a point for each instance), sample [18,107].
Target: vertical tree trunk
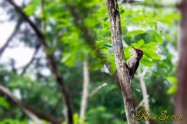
[85,93]
[181,100]
[122,71]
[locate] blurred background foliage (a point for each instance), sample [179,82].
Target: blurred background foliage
[154,30]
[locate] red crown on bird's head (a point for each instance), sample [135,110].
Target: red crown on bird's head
[138,51]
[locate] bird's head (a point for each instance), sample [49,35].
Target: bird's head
[139,52]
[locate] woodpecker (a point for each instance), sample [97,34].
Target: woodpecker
[133,62]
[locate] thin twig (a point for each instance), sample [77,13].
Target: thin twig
[31,60]
[155,5]
[140,104]
[2,49]
[97,89]
[152,5]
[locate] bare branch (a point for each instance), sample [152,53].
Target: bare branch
[144,72]
[144,90]
[148,4]
[85,93]
[31,60]
[97,89]
[26,18]
[29,111]
[140,104]
[155,5]
[2,49]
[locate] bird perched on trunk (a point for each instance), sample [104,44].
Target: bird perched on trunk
[133,62]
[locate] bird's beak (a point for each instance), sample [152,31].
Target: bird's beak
[133,47]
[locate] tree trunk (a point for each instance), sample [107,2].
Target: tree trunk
[122,71]
[181,100]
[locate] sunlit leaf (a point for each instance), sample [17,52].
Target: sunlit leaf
[173,80]
[134,32]
[4,103]
[172,89]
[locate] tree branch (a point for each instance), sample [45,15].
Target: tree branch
[85,93]
[148,4]
[122,70]
[97,89]
[155,5]
[144,90]
[2,49]
[52,62]
[31,60]
[29,111]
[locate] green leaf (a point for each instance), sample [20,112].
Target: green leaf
[138,18]
[128,53]
[112,68]
[173,80]
[68,59]
[169,18]
[146,61]
[30,9]
[140,43]
[172,89]
[90,22]
[4,103]
[151,54]
[158,38]
[173,16]
[151,45]
[135,32]
[108,45]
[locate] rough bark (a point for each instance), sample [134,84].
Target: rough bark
[181,100]
[85,93]
[122,70]
[52,62]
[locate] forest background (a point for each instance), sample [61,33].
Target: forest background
[58,64]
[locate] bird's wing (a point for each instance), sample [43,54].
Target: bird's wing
[135,68]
